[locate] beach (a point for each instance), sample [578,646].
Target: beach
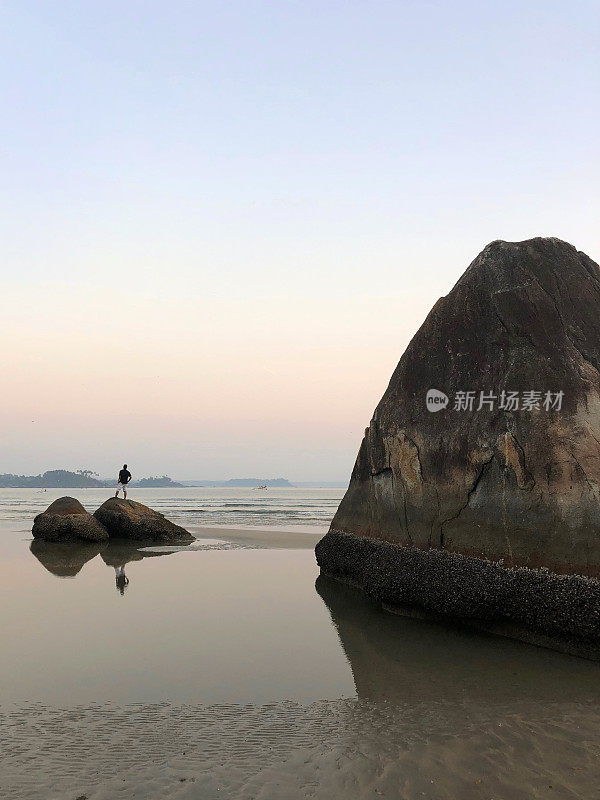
[270,539]
[300,464]
[230,668]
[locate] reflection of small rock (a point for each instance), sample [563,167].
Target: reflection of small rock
[198,547]
[126,519]
[64,560]
[66,520]
[119,553]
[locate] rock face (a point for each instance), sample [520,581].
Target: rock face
[126,519]
[480,476]
[519,485]
[66,520]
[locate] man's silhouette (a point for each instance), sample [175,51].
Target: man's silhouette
[124,478]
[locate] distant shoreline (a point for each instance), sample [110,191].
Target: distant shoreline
[83,479]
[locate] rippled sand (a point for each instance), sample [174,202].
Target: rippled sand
[331,749]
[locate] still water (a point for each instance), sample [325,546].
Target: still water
[234,670]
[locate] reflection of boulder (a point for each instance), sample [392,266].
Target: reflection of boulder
[66,520]
[126,519]
[398,659]
[64,560]
[117,553]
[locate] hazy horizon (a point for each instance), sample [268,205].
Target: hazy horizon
[180,478]
[223,223]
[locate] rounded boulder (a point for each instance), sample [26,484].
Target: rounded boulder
[66,520]
[126,519]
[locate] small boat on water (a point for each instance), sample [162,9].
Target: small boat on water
[260,487]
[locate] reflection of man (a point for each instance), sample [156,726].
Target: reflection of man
[121,579]
[124,478]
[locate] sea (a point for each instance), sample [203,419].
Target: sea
[284,508]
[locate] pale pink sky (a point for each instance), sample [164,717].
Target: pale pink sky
[222,223]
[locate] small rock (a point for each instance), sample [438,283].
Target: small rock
[66,520]
[126,519]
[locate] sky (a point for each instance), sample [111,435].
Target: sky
[222,222]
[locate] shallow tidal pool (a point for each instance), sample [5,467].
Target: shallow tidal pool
[227,670]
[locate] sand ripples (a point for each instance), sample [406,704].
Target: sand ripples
[329,749]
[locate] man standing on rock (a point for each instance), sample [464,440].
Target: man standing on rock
[124,478]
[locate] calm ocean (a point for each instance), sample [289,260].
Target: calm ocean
[284,508]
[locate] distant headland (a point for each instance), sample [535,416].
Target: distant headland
[241,483]
[87,479]
[81,479]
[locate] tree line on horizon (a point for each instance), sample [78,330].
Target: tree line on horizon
[88,479]
[81,479]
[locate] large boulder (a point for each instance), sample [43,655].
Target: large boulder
[126,519]
[66,520]
[515,484]
[479,474]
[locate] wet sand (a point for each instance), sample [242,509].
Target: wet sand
[256,537]
[283,751]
